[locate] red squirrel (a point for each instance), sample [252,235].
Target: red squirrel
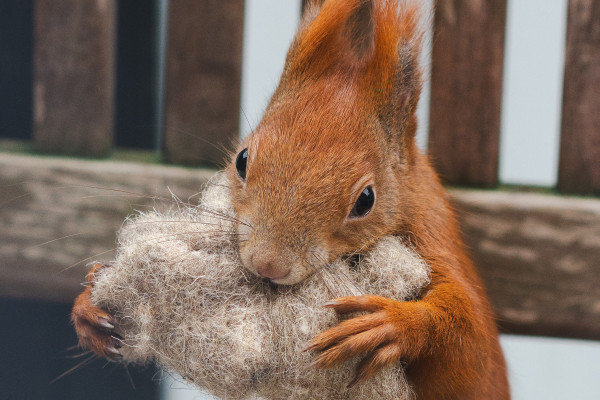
[332,168]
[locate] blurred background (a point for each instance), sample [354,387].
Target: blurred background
[105,105]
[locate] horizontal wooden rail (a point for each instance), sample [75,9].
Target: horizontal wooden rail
[76,206]
[539,256]
[538,253]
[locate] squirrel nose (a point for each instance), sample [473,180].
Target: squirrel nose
[271,270]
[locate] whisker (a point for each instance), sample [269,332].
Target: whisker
[359,252]
[129,376]
[325,275]
[246,118]
[129,192]
[125,192]
[219,185]
[222,214]
[184,132]
[85,353]
[174,235]
[197,194]
[98,196]
[346,282]
[87,259]
[56,240]
[175,221]
[81,364]
[5,203]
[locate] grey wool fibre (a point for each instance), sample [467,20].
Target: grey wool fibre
[183,299]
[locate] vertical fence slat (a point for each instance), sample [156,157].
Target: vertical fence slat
[74,76]
[466,90]
[579,166]
[203,82]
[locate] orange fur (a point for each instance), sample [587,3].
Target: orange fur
[342,118]
[94,325]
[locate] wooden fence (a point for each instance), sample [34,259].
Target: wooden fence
[74,66]
[467,88]
[538,253]
[74,84]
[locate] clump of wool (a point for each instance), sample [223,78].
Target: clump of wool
[183,299]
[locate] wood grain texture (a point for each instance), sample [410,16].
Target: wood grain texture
[84,203]
[203,82]
[538,254]
[466,90]
[579,166]
[74,44]
[539,257]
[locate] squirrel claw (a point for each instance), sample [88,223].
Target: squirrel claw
[104,322]
[95,326]
[381,337]
[112,349]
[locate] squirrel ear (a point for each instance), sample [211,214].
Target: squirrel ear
[359,30]
[333,34]
[378,38]
[374,45]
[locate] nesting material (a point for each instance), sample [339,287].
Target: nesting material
[183,300]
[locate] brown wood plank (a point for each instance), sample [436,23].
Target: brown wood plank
[82,202]
[74,44]
[203,82]
[538,253]
[466,89]
[579,166]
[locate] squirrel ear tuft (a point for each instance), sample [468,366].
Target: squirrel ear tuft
[340,34]
[359,32]
[373,45]
[348,36]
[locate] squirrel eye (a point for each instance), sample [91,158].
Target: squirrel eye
[241,162]
[364,203]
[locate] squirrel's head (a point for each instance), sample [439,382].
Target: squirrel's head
[322,174]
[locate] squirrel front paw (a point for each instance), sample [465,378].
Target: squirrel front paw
[94,326]
[391,332]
